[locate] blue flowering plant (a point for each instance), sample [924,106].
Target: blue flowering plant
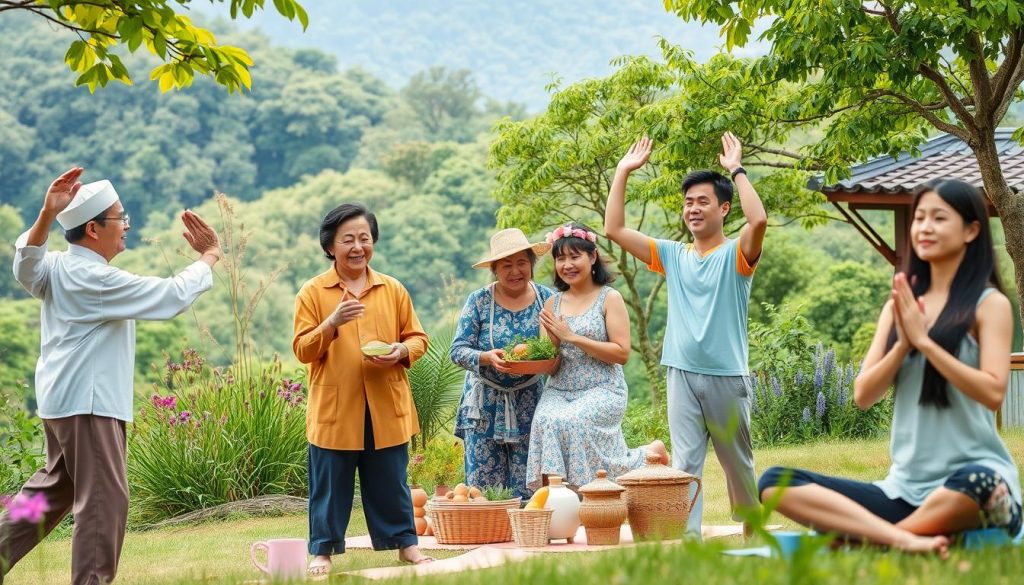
[802,392]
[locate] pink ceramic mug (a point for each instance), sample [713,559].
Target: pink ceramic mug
[286,557]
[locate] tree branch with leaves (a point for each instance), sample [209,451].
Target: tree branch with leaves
[184,49]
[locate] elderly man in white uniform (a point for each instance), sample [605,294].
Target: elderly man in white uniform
[86,365]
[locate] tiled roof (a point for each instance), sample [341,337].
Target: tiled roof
[944,156]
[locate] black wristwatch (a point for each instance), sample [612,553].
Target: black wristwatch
[737,171]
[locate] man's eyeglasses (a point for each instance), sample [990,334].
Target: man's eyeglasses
[124,217]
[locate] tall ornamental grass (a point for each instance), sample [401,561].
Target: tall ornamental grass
[212,438]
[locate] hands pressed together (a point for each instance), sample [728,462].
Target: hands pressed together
[908,314]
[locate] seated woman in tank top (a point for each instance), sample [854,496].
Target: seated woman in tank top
[943,342]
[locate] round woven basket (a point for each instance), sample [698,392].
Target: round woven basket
[472,522]
[658,500]
[530,527]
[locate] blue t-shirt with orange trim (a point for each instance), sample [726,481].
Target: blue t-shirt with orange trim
[706,331]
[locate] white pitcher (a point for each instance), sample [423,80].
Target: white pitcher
[565,519]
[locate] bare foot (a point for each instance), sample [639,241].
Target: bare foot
[925,544]
[658,447]
[412,555]
[319,567]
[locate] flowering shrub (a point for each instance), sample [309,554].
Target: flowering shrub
[440,463]
[801,391]
[209,437]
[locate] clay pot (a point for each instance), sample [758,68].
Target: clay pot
[565,518]
[603,510]
[440,491]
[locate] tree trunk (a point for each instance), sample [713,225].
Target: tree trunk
[1010,206]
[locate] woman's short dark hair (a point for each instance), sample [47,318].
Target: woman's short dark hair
[339,215]
[77,234]
[562,246]
[530,255]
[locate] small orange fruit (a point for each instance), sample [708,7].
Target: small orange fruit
[520,350]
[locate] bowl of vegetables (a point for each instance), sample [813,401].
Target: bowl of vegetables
[530,355]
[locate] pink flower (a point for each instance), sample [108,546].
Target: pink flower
[169,402]
[28,508]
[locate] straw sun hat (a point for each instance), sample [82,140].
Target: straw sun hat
[508,242]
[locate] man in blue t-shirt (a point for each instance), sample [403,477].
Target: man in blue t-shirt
[705,346]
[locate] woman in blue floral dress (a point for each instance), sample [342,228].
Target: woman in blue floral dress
[497,407]
[577,428]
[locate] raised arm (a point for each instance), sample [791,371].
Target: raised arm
[632,241]
[30,256]
[752,234]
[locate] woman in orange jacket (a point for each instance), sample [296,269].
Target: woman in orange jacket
[360,414]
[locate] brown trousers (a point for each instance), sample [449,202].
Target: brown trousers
[85,475]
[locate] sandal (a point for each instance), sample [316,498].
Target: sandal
[318,569]
[420,561]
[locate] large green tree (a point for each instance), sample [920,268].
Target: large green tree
[558,166]
[184,49]
[881,76]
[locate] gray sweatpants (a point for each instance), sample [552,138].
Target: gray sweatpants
[702,407]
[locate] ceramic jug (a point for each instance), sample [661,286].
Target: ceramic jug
[565,518]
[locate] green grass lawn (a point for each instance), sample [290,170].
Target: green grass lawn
[218,552]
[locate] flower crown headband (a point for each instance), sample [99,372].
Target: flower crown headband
[567,231]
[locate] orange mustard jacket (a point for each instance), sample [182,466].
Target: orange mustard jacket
[341,382]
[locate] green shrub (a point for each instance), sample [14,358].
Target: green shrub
[213,438]
[22,451]
[801,391]
[440,463]
[644,423]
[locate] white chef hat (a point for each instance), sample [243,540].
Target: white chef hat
[90,201]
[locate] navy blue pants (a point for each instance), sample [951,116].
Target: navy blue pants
[975,481]
[387,502]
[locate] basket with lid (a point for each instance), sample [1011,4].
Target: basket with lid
[658,499]
[603,510]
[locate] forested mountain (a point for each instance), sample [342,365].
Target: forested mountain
[513,48]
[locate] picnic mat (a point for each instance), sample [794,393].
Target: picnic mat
[480,558]
[492,555]
[558,546]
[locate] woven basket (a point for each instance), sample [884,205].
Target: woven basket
[530,527]
[472,522]
[658,500]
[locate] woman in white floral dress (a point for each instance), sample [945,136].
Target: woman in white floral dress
[577,427]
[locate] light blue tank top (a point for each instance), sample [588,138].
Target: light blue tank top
[706,331]
[928,444]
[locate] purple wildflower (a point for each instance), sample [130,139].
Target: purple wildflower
[819,377]
[807,414]
[819,405]
[799,378]
[776,387]
[184,416]
[828,363]
[26,508]
[168,402]
[850,373]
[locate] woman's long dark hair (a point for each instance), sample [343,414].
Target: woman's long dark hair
[977,272]
[599,273]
